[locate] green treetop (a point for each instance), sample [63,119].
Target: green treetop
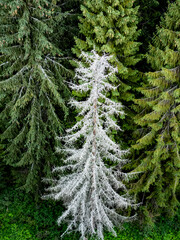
[111,26]
[31,86]
[159,118]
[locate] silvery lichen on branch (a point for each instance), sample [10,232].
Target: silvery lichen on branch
[111,27]
[87,184]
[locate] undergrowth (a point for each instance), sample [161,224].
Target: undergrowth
[21,219]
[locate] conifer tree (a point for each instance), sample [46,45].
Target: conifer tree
[111,27]
[31,86]
[86,183]
[159,119]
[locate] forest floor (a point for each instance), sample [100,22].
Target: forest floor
[21,218]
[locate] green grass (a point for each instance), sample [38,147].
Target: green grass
[21,219]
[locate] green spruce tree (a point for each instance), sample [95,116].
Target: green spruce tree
[111,27]
[31,87]
[159,120]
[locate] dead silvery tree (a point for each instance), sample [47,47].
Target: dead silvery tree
[87,186]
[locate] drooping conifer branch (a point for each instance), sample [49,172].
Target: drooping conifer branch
[31,81]
[160,119]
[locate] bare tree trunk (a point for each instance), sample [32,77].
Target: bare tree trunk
[94,148]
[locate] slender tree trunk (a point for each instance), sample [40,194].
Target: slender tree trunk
[94,148]
[94,122]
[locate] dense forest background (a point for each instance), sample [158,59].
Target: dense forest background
[39,43]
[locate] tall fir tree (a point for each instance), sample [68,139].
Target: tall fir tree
[111,27]
[159,120]
[86,183]
[31,86]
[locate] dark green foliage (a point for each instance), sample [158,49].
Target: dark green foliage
[65,30]
[71,11]
[2,171]
[31,87]
[149,15]
[2,168]
[21,219]
[159,117]
[5,172]
[150,12]
[111,27]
